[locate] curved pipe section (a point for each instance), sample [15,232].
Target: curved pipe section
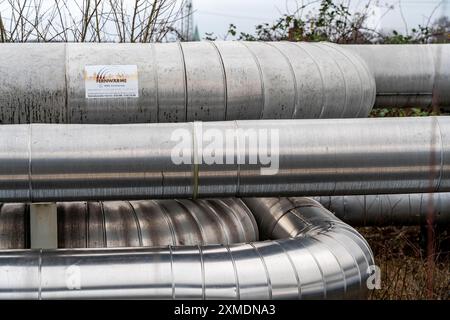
[408,75]
[390,209]
[321,257]
[178,82]
[215,221]
[41,163]
[137,223]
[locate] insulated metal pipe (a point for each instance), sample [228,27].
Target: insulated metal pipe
[213,221]
[177,82]
[41,163]
[408,75]
[390,209]
[14,226]
[315,255]
[210,81]
[136,223]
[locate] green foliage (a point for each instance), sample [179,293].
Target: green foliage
[420,35]
[334,22]
[403,112]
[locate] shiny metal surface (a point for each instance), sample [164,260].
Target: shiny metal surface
[279,85]
[205,81]
[14,226]
[221,81]
[328,259]
[154,223]
[108,110]
[32,83]
[441,92]
[214,221]
[408,75]
[331,258]
[136,223]
[390,209]
[244,84]
[316,157]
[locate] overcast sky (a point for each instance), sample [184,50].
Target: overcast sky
[216,15]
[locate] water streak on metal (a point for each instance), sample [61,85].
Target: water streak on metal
[204,81]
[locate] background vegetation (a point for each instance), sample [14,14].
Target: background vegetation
[89,20]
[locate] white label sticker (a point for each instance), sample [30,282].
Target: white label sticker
[111,81]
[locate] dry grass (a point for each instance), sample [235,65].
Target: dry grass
[406,273]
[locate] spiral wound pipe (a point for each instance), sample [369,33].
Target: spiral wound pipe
[312,255]
[213,221]
[150,223]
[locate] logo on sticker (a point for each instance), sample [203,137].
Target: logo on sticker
[108,75]
[111,81]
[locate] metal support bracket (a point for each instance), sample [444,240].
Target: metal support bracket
[43,226]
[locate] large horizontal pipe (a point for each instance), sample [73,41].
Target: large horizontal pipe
[314,255]
[113,224]
[408,75]
[177,82]
[136,223]
[147,161]
[206,81]
[390,209]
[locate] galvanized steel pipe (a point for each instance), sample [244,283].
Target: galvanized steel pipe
[177,82]
[136,223]
[390,209]
[408,75]
[213,221]
[325,259]
[314,157]
[14,226]
[210,81]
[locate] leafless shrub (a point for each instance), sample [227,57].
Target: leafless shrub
[89,20]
